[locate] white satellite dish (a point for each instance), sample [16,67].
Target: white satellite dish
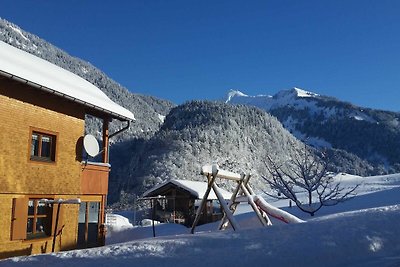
[91,145]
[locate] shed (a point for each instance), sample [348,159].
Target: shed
[177,201]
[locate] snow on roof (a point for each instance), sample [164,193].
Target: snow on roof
[196,188]
[37,72]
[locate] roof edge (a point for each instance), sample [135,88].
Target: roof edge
[74,99]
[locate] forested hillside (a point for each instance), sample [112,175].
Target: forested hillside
[238,138]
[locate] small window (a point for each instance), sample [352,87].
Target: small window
[43,147]
[39,219]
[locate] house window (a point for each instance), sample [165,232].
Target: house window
[43,146]
[39,219]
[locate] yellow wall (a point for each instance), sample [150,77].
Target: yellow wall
[22,107]
[18,174]
[68,238]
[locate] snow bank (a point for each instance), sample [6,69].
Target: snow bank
[142,232]
[363,238]
[116,223]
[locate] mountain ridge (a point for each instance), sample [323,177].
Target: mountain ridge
[169,141]
[326,122]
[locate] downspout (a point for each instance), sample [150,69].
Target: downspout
[121,130]
[116,133]
[108,157]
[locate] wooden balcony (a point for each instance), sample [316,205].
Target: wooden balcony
[95,178]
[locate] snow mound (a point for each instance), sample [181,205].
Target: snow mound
[363,238]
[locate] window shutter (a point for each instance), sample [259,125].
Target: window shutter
[19,218]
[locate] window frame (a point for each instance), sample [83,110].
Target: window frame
[35,216]
[52,159]
[19,219]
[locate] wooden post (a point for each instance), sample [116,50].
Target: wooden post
[227,211]
[264,221]
[233,204]
[203,201]
[55,227]
[174,199]
[102,221]
[105,139]
[153,211]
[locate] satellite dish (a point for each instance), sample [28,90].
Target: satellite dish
[91,145]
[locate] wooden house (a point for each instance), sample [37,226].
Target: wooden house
[178,200]
[42,122]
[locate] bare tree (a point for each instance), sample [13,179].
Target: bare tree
[305,181]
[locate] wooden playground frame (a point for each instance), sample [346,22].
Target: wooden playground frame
[242,193]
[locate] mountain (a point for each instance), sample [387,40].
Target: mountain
[368,135]
[156,147]
[238,138]
[169,141]
[149,111]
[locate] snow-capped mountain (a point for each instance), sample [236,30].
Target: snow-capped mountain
[326,122]
[173,142]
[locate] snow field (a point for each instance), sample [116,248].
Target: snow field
[363,231]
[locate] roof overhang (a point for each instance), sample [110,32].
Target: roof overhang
[36,72]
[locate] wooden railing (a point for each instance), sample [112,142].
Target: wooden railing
[94,179]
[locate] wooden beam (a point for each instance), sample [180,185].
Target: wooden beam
[211,179]
[105,139]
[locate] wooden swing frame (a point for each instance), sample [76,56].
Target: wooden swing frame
[242,193]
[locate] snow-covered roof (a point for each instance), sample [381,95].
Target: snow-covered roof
[40,73]
[195,188]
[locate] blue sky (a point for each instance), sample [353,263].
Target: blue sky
[183,50]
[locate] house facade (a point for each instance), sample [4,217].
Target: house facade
[50,198]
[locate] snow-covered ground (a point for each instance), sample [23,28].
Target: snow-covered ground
[363,231]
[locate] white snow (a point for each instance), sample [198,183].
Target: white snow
[196,188]
[275,212]
[363,231]
[238,97]
[19,32]
[304,93]
[295,97]
[161,117]
[117,223]
[42,73]
[214,169]
[361,116]
[233,93]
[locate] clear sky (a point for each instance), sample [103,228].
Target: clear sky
[199,49]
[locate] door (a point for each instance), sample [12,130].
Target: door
[88,225]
